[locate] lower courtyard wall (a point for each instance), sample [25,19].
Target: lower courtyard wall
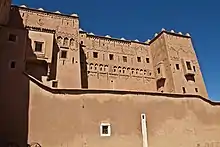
[68,120]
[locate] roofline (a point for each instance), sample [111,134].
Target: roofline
[170,33]
[44,11]
[129,41]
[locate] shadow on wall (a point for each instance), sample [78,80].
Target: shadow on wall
[83,66]
[15,58]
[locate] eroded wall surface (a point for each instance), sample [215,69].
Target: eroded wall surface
[57,120]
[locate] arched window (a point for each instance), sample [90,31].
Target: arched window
[119,69]
[100,67]
[106,68]
[71,42]
[59,40]
[65,41]
[96,66]
[141,72]
[124,70]
[114,69]
[137,71]
[132,71]
[91,66]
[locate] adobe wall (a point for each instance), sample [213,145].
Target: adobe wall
[179,50]
[57,120]
[5,6]
[116,73]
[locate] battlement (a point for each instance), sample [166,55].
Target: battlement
[109,38]
[172,32]
[124,41]
[44,12]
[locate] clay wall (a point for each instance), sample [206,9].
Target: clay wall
[63,46]
[117,65]
[74,120]
[180,50]
[5,6]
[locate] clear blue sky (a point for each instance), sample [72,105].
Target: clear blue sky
[141,19]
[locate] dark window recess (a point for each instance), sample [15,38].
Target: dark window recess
[184,89]
[95,55]
[139,59]
[196,89]
[158,70]
[104,129]
[177,66]
[81,42]
[12,37]
[111,57]
[194,68]
[188,65]
[54,84]
[147,60]
[13,64]
[73,60]
[125,59]
[38,46]
[63,54]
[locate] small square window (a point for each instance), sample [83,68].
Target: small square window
[63,54]
[177,66]
[158,70]
[95,55]
[125,59]
[54,84]
[12,38]
[139,59]
[13,64]
[184,89]
[105,129]
[111,57]
[196,90]
[147,60]
[188,65]
[38,46]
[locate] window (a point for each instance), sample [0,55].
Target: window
[95,55]
[59,40]
[184,89]
[111,57]
[38,46]
[71,42]
[196,90]
[139,59]
[188,65]
[177,66]
[54,84]
[13,64]
[65,41]
[105,129]
[147,60]
[12,38]
[158,70]
[125,59]
[63,54]
[73,60]
[194,68]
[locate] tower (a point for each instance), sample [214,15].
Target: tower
[176,66]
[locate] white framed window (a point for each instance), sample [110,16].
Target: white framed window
[105,129]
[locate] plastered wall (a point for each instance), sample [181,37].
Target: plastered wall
[73,120]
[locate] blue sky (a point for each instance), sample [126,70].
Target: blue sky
[141,19]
